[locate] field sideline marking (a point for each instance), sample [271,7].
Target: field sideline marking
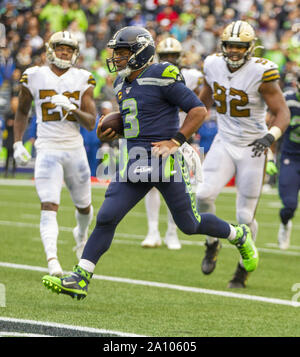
[168,286]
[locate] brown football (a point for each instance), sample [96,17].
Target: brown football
[114,121]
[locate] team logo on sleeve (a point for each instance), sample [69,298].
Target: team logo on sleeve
[91,80]
[24,78]
[120,95]
[173,72]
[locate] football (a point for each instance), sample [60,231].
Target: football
[114,121]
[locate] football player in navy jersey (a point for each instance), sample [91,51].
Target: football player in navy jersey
[149,96]
[289,171]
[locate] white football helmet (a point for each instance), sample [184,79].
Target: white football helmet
[169,46]
[238,32]
[62,38]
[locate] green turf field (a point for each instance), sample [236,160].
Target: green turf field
[149,292]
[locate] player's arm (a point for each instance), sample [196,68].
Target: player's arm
[21,116]
[86,115]
[279,116]
[21,155]
[206,95]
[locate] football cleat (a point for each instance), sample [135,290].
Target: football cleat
[284,235]
[172,241]
[210,259]
[152,240]
[54,268]
[80,242]
[239,279]
[246,247]
[74,285]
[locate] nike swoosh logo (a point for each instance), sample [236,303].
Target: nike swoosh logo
[67,283]
[172,70]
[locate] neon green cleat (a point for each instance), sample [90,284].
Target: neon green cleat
[246,247]
[74,285]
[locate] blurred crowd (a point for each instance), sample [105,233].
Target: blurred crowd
[197,24]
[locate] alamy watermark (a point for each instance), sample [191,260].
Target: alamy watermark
[296,287]
[138,166]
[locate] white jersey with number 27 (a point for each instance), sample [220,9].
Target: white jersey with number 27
[43,83]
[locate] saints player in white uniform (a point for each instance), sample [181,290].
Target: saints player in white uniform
[63,97]
[168,50]
[242,88]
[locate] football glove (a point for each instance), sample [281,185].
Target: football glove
[260,145]
[192,159]
[271,168]
[64,102]
[21,155]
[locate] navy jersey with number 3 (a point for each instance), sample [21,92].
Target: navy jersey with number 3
[149,104]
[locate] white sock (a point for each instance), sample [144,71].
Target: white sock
[49,233]
[87,265]
[83,221]
[171,224]
[152,203]
[232,233]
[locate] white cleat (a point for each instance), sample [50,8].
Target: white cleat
[172,241]
[54,268]
[152,241]
[80,242]
[284,235]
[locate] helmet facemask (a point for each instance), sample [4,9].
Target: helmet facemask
[62,38]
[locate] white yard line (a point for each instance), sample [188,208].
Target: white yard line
[169,286]
[140,237]
[64,326]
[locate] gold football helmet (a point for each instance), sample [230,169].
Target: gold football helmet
[169,46]
[241,33]
[62,38]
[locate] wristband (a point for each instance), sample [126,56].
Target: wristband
[179,138]
[276,132]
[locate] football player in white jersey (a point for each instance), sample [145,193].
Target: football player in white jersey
[168,50]
[63,97]
[242,87]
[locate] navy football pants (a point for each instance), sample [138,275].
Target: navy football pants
[121,197]
[289,186]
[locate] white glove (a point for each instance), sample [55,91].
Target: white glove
[192,159]
[63,101]
[21,155]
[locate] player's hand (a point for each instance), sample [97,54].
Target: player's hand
[271,168]
[192,159]
[164,148]
[64,102]
[108,134]
[21,155]
[260,145]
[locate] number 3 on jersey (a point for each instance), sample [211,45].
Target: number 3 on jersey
[131,118]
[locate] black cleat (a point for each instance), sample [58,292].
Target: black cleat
[239,279]
[210,260]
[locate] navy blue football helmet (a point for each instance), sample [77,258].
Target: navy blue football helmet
[140,43]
